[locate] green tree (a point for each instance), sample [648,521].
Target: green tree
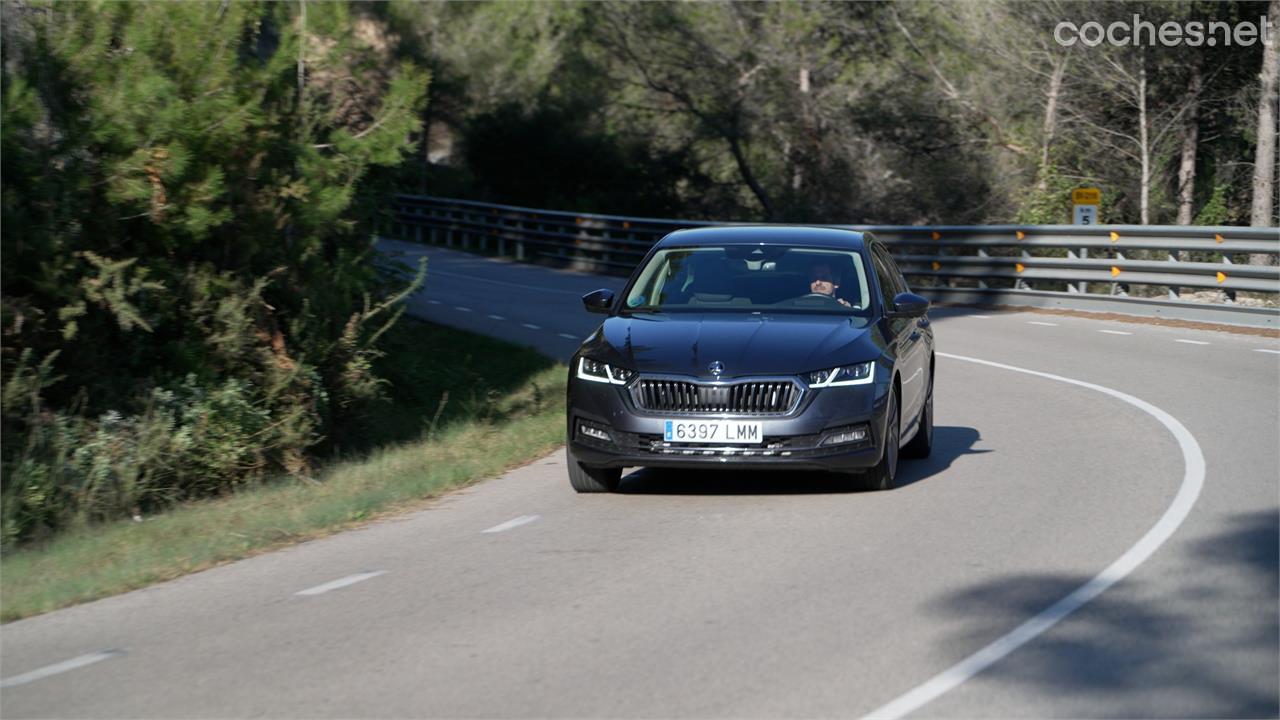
[187,206]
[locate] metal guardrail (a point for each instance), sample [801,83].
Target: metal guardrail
[1101,268]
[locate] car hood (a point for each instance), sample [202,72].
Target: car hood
[685,344]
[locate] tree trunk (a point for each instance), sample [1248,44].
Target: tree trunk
[1264,168]
[1050,128]
[744,169]
[1190,143]
[1144,142]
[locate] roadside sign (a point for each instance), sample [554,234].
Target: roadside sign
[1084,206]
[1086,196]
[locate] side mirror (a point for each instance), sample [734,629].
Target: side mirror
[598,301]
[909,305]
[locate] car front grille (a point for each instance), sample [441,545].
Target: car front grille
[749,397]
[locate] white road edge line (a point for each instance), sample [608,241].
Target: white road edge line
[341,583]
[496,317]
[1115,332]
[1191,342]
[517,522]
[1267,350]
[567,335]
[56,668]
[1037,322]
[1188,492]
[531,326]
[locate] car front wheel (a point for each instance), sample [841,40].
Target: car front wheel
[591,480]
[884,476]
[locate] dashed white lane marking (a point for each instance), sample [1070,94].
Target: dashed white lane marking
[477,278]
[1191,342]
[1267,350]
[567,335]
[1115,332]
[340,583]
[981,317]
[61,667]
[434,302]
[496,317]
[522,520]
[1037,322]
[531,326]
[459,308]
[1188,491]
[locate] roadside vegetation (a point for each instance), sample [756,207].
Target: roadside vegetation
[481,408]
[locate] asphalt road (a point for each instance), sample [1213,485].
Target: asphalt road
[742,595]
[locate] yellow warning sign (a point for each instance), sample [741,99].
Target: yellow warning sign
[1086,196]
[1222,277]
[1019,267]
[1114,271]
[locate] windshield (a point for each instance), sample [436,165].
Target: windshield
[752,278]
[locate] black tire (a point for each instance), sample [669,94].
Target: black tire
[884,476]
[591,480]
[922,444]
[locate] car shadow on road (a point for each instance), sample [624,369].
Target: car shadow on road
[1203,644]
[949,443]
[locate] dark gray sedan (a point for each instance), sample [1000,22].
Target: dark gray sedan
[760,347]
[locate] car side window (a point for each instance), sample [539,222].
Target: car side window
[899,279]
[885,277]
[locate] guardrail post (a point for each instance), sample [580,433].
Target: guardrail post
[1083,285]
[1118,288]
[1229,295]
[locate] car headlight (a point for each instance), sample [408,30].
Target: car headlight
[597,371]
[859,374]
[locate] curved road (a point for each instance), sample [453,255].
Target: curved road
[729,594]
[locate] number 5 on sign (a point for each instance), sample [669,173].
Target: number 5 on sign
[1085,215]
[1084,206]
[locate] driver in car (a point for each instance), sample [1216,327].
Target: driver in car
[823,282]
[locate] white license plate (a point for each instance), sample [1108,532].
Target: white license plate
[712,431]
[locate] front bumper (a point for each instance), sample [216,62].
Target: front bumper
[789,442]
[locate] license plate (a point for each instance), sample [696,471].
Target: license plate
[712,431]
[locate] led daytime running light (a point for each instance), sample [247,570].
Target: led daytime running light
[613,376]
[832,374]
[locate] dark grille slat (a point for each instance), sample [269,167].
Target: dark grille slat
[745,397]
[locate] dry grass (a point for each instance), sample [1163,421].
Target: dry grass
[94,562]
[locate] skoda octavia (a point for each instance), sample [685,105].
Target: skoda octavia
[784,348]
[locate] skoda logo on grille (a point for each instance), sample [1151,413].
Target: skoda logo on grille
[716,368]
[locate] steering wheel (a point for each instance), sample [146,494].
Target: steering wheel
[814,296]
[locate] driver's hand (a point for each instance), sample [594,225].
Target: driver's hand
[843,302]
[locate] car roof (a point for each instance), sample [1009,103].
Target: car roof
[766,235]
